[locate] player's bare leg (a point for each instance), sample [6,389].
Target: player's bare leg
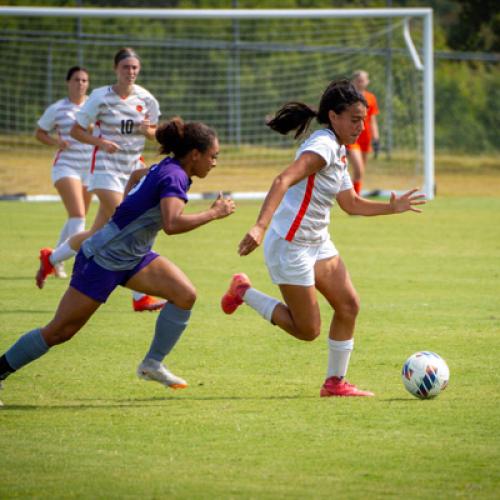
[74,310]
[334,283]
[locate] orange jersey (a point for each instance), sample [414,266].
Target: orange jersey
[364,140]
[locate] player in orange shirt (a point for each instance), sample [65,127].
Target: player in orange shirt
[358,152]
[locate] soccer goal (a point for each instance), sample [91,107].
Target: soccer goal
[232,69]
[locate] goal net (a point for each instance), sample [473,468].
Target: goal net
[231,71]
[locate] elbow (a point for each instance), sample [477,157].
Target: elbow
[170,229]
[280,184]
[350,210]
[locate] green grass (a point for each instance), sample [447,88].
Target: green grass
[79,424]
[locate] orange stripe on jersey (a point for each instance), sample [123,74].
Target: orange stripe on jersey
[59,151]
[92,164]
[96,148]
[303,208]
[58,154]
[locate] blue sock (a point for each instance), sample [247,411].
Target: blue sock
[27,348]
[171,322]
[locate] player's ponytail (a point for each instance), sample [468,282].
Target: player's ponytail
[180,138]
[292,116]
[338,96]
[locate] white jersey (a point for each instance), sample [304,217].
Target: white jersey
[60,117]
[116,119]
[303,215]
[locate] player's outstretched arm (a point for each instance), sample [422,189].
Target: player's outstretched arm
[353,204]
[175,221]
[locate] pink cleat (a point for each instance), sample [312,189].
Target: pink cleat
[148,303]
[233,298]
[337,386]
[46,268]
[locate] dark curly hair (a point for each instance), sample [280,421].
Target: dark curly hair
[180,138]
[337,97]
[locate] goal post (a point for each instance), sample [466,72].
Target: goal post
[233,67]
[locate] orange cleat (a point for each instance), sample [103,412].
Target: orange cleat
[233,298]
[148,303]
[337,386]
[46,268]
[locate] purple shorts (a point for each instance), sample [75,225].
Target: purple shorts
[97,282]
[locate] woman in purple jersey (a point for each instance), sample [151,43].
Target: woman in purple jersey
[120,254]
[71,166]
[300,256]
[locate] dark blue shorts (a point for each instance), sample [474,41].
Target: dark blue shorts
[97,282]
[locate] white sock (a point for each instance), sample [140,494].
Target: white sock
[75,225]
[64,234]
[137,295]
[61,253]
[339,353]
[262,303]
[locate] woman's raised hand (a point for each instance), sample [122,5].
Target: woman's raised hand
[223,206]
[407,201]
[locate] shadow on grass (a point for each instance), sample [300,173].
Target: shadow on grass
[402,400]
[137,403]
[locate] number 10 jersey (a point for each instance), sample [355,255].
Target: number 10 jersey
[118,119]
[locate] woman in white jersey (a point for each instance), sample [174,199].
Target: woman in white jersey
[71,167]
[124,115]
[300,256]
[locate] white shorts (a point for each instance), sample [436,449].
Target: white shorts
[112,182]
[292,264]
[59,173]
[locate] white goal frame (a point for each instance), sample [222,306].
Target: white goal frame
[427,64]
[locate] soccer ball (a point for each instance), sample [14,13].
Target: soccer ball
[425,374]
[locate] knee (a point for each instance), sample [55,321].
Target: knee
[55,335]
[308,333]
[349,308]
[187,298]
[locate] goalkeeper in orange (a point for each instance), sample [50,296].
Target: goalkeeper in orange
[369,139]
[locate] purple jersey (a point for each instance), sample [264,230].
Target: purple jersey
[130,234]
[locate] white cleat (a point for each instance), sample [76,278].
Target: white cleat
[59,271]
[1,404]
[158,373]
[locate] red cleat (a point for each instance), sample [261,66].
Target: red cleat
[337,386]
[233,298]
[148,303]
[46,268]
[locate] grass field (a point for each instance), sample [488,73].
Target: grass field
[79,424]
